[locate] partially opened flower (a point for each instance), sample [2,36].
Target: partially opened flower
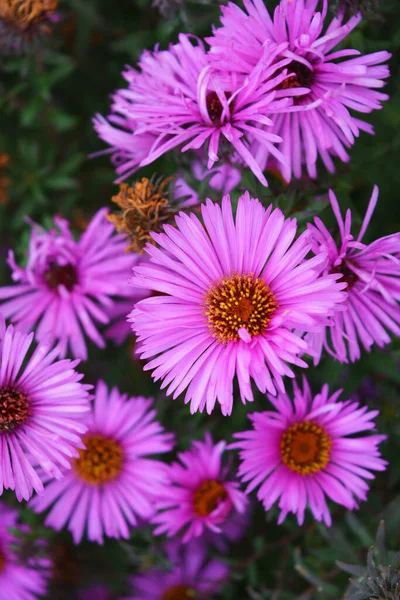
[337,84]
[191,573]
[201,106]
[42,412]
[229,295]
[68,286]
[307,451]
[200,494]
[20,579]
[113,483]
[372,276]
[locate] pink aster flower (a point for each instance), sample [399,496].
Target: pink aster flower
[338,85]
[200,494]
[67,287]
[230,295]
[306,451]
[42,412]
[113,483]
[19,580]
[372,276]
[192,573]
[200,106]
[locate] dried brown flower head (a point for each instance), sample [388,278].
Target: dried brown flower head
[25,14]
[145,207]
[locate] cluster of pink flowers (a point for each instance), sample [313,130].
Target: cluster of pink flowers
[269,90]
[225,299]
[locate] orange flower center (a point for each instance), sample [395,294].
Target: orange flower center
[305,448]
[101,462]
[239,301]
[208,496]
[178,592]
[14,409]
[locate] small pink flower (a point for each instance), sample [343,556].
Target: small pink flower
[372,276]
[67,287]
[306,451]
[192,574]
[43,407]
[113,483]
[199,494]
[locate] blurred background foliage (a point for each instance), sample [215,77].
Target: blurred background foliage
[48,97]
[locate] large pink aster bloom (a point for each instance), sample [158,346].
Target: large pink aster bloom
[113,483]
[67,287]
[182,101]
[191,574]
[372,275]
[200,494]
[231,293]
[341,84]
[42,412]
[306,451]
[19,580]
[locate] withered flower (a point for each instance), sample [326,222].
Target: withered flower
[22,20]
[145,207]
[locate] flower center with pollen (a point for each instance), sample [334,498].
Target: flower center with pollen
[348,276]
[214,106]
[101,462]
[14,409]
[178,592]
[301,76]
[65,275]
[239,302]
[305,448]
[208,496]
[2,560]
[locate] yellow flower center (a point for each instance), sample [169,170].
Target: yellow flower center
[305,448]
[14,409]
[101,462]
[239,301]
[208,496]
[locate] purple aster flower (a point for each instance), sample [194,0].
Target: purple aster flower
[306,451]
[372,276]
[230,294]
[42,412]
[337,84]
[192,573]
[113,483]
[224,111]
[200,494]
[67,286]
[18,581]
